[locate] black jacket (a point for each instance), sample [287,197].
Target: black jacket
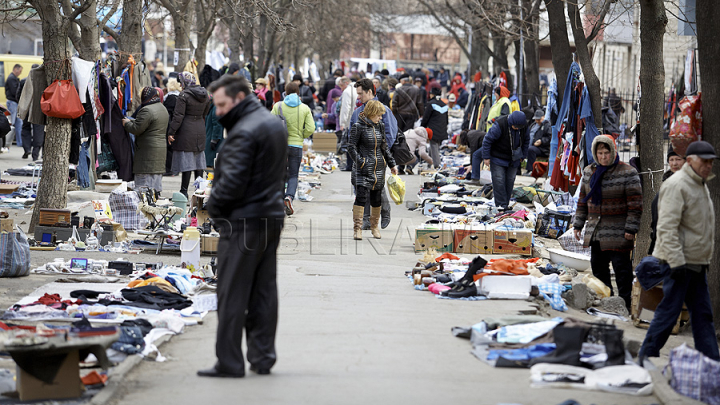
[383,97]
[543,134]
[368,148]
[18,93]
[408,101]
[325,90]
[11,86]
[306,96]
[187,123]
[436,120]
[251,164]
[499,139]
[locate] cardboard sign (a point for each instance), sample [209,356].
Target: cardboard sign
[102,210]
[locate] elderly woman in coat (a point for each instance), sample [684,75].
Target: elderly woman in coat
[149,124]
[187,130]
[369,151]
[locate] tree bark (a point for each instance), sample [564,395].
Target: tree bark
[653,21]
[235,35]
[52,190]
[532,52]
[479,53]
[581,47]
[205,23]
[130,39]
[559,43]
[708,19]
[90,34]
[183,46]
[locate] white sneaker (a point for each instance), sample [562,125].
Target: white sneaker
[4,150]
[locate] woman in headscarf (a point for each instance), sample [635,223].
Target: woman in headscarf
[148,124]
[187,130]
[173,91]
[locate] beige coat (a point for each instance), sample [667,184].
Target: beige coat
[686,220]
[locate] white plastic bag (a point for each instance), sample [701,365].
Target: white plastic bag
[485,175]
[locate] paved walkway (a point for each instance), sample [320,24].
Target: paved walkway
[352,330]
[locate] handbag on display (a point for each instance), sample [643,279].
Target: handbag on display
[60,99]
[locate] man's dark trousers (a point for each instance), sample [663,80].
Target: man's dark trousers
[247,266]
[690,287]
[33,138]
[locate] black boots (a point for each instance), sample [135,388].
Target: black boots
[465,287]
[568,343]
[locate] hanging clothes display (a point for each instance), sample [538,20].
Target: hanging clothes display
[114,132]
[572,79]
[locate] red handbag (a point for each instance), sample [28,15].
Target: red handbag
[60,99]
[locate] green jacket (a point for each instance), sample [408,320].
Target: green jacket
[298,120]
[149,128]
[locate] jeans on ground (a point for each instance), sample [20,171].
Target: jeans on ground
[600,263]
[16,121]
[503,181]
[435,153]
[33,138]
[533,152]
[477,161]
[692,288]
[293,169]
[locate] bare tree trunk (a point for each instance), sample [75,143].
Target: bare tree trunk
[52,190]
[90,34]
[652,81]
[708,19]
[532,52]
[248,46]
[132,32]
[205,25]
[559,43]
[235,35]
[581,45]
[183,46]
[479,54]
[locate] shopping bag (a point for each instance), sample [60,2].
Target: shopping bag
[401,151]
[60,99]
[485,175]
[397,189]
[14,254]
[687,127]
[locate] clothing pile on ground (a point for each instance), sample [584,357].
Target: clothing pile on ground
[561,353]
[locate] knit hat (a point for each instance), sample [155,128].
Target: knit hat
[671,153]
[297,77]
[429,132]
[452,98]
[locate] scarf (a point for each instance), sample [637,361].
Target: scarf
[596,182]
[149,96]
[187,79]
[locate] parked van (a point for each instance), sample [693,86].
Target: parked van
[6,66]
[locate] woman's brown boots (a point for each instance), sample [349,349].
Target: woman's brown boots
[358,212]
[375,222]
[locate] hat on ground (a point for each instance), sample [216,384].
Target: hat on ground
[539,114]
[452,98]
[671,153]
[261,81]
[701,149]
[297,77]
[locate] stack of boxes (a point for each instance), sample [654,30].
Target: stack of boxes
[473,239]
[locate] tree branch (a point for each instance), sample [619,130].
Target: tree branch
[600,22]
[112,33]
[110,13]
[79,10]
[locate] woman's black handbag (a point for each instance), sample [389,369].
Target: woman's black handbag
[401,151]
[4,125]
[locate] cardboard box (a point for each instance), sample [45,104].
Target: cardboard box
[7,225]
[324,142]
[201,215]
[473,240]
[645,302]
[8,188]
[209,244]
[67,383]
[512,241]
[441,239]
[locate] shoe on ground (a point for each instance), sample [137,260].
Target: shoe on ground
[25,155]
[4,150]
[260,371]
[409,171]
[288,206]
[214,372]
[473,182]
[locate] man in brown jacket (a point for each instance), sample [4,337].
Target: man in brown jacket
[611,204]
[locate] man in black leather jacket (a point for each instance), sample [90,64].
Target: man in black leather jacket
[247,205]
